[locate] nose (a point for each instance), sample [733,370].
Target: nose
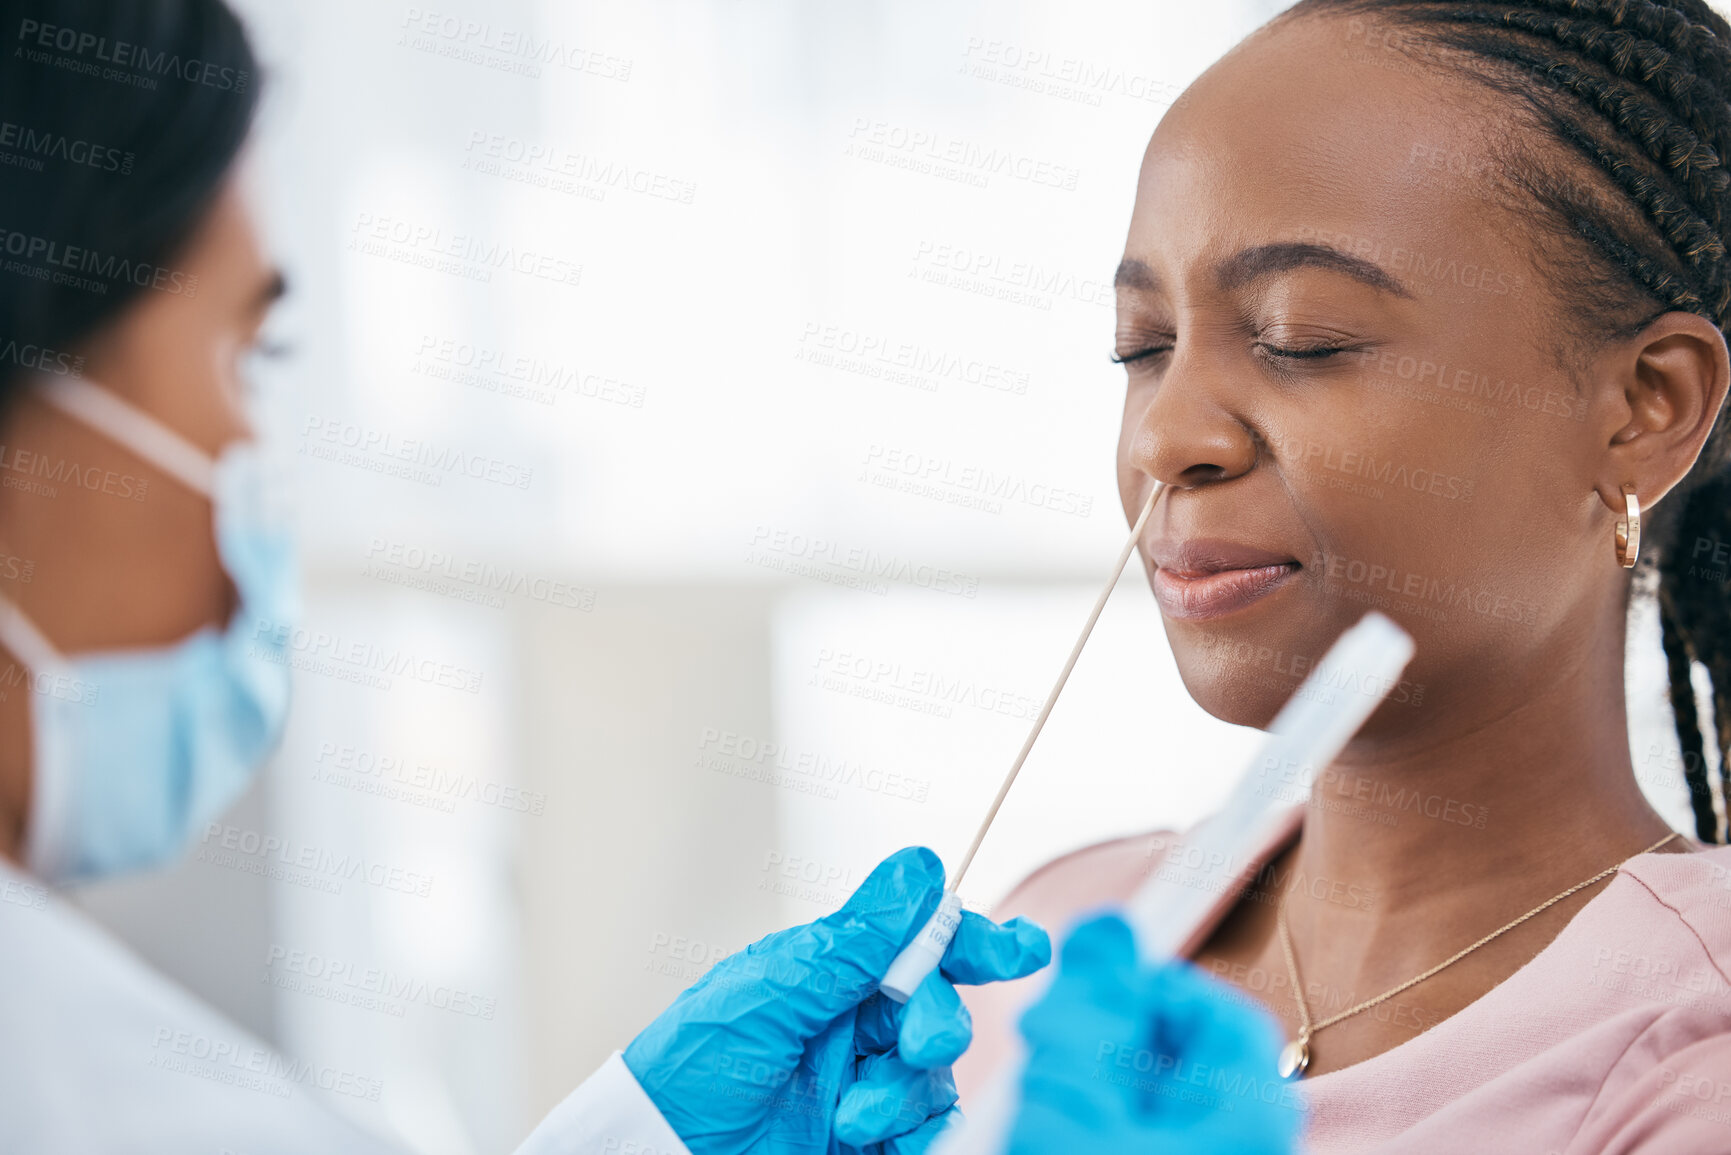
[1185,430]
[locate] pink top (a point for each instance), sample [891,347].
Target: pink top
[1616,1037]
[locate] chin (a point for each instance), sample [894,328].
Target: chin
[1243,668]
[1242,693]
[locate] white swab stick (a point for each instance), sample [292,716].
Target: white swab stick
[1058,686]
[921,956]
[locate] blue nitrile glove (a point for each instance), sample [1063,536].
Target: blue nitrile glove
[756,1055]
[901,1097]
[1124,1059]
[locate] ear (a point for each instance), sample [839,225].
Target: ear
[1673,376]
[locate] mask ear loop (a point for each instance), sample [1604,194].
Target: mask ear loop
[132,428]
[49,793]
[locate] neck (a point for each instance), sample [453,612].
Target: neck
[1496,811]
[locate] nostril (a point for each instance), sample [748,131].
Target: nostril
[1197,474]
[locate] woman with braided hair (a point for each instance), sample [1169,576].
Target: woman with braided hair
[1422,308]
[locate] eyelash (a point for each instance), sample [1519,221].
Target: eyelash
[1140,354]
[1310,353]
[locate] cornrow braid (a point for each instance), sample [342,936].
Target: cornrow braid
[1685,161]
[1656,280]
[1702,529]
[1678,28]
[1677,666]
[1688,154]
[1636,94]
[1695,239]
[1629,54]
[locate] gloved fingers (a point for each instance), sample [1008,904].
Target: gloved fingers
[889,1098]
[1199,1023]
[722,1092]
[1208,1021]
[878,1025]
[805,1101]
[740,997]
[1114,1052]
[797,974]
[738,968]
[766,1039]
[900,893]
[1083,1035]
[1097,967]
[985,952]
[924,1137]
[935,1027]
[1232,1124]
[827,967]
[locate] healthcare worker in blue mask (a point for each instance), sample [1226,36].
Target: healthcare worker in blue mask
[146,592]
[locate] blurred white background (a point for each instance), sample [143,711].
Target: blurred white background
[718,307]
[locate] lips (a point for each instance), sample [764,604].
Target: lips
[1200,579]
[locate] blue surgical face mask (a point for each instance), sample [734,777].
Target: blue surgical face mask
[134,750]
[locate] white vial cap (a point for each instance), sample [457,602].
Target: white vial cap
[922,956]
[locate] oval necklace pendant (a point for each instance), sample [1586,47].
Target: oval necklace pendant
[1294,1057]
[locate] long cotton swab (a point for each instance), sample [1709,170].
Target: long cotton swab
[921,956]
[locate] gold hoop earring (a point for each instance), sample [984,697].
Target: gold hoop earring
[1629,529]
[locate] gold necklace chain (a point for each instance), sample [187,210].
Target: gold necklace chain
[1295,1056]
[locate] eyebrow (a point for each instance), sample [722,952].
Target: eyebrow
[1259,261]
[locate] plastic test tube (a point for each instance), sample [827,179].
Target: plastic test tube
[922,956]
[1309,732]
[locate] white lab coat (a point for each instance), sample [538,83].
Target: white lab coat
[99,1054]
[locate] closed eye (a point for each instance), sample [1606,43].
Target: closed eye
[1285,353]
[1140,354]
[1304,353]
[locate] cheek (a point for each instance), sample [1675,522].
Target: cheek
[227,372]
[1133,451]
[1375,454]
[1444,520]
[211,380]
[176,360]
